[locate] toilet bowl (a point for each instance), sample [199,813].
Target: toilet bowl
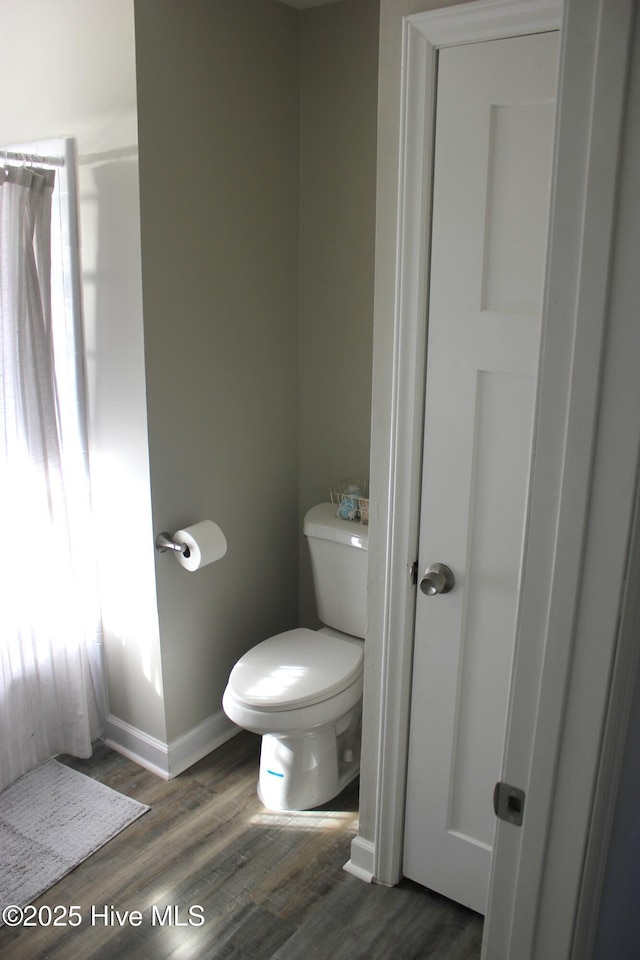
[302,690]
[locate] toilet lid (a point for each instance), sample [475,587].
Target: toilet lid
[296,669]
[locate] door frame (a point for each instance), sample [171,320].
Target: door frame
[594,48]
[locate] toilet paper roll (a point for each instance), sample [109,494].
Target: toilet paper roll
[203,543]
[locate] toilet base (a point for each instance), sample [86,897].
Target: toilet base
[302,771]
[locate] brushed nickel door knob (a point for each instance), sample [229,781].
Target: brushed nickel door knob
[438,578]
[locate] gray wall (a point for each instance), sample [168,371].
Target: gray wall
[244,390]
[218,132]
[257,169]
[339,94]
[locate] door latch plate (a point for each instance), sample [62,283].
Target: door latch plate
[508,803]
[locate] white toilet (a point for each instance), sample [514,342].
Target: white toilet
[302,690]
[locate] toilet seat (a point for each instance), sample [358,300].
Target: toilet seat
[296,669]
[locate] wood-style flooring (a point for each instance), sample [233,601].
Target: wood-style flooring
[240,883]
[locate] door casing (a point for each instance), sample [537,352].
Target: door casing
[595,45]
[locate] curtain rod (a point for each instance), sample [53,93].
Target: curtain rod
[32,159]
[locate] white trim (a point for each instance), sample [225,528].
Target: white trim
[389,690]
[402,495]
[362,860]
[554,641]
[613,754]
[487,20]
[136,745]
[199,741]
[168,760]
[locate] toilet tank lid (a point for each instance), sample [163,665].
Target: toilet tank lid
[296,669]
[321,521]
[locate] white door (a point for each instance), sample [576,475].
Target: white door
[492,172]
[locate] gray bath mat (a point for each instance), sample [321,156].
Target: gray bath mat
[51,820]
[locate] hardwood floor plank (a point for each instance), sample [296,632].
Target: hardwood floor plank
[266,886]
[381,923]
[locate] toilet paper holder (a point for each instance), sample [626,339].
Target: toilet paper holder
[165,542]
[195,546]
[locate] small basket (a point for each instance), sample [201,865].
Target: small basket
[351,498]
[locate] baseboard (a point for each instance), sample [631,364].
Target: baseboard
[196,743]
[136,745]
[361,864]
[167,760]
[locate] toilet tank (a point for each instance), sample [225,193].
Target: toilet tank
[338,550]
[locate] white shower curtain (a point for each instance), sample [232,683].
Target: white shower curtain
[47,604]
